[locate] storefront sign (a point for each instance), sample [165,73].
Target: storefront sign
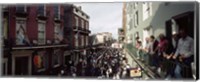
[37,61]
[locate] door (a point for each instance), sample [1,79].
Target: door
[168,28]
[186,21]
[21,65]
[67,58]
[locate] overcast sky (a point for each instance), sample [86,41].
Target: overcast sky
[104,17]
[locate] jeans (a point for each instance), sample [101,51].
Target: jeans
[186,69]
[177,71]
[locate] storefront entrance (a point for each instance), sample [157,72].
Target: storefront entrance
[21,63]
[21,66]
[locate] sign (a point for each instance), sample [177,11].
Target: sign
[135,72]
[37,61]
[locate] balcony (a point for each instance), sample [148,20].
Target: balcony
[41,13]
[88,31]
[21,11]
[35,45]
[75,28]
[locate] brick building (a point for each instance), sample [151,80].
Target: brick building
[35,39]
[76,29]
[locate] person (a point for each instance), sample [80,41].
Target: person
[162,46]
[184,53]
[170,65]
[138,47]
[153,52]
[146,50]
[79,68]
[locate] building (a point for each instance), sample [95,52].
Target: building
[76,31]
[104,38]
[124,19]
[121,35]
[36,40]
[152,18]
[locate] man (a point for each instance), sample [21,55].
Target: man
[171,49]
[152,51]
[162,47]
[184,53]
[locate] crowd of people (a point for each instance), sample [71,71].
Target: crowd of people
[108,63]
[170,55]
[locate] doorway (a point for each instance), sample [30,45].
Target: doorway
[5,66]
[184,20]
[21,66]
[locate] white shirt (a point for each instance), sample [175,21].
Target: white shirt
[151,44]
[185,47]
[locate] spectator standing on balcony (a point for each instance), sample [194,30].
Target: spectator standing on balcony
[184,53]
[153,52]
[138,47]
[146,50]
[170,65]
[162,45]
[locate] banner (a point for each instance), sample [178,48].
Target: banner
[135,72]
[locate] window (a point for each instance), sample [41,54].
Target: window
[57,11]
[21,8]
[82,22]
[56,58]
[86,41]
[76,40]
[41,32]
[77,22]
[42,10]
[5,28]
[146,10]
[136,18]
[21,35]
[87,25]
[135,4]
[82,40]
[131,24]
[58,34]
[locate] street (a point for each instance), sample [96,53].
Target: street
[108,63]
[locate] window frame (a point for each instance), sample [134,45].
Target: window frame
[41,31]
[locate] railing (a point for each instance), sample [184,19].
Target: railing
[146,59]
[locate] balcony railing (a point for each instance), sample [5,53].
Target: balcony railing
[146,60]
[34,45]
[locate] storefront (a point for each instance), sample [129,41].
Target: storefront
[21,62]
[57,61]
